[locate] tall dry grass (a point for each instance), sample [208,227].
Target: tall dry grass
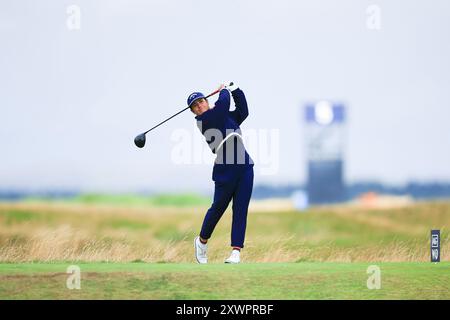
[75,232]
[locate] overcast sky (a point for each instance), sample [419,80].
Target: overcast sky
[72,100]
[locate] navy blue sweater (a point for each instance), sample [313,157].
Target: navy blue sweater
[219,122]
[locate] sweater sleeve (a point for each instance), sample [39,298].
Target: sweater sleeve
[215,117]
[241,112]
[222,105]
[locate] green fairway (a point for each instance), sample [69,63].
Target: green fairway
[219,281]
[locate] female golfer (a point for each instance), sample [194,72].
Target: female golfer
[233,167]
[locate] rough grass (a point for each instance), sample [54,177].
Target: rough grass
[220,281]
[46,231]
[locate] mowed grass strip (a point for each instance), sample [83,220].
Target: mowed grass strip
[220,281]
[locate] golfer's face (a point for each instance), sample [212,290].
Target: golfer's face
[199,106]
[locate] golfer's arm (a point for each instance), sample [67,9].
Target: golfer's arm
[222,105]
[241,111]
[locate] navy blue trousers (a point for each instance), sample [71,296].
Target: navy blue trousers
[240,191]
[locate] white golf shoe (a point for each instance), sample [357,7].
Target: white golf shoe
[235,257]
[200,251]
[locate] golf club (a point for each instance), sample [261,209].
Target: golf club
[139,141]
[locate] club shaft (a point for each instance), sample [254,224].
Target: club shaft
[209,95]
[166,120]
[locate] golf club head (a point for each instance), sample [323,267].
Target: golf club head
[139,141]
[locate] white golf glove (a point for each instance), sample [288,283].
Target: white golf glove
[231,86]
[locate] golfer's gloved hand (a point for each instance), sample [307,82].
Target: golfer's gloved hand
[222,86]
[231,86]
